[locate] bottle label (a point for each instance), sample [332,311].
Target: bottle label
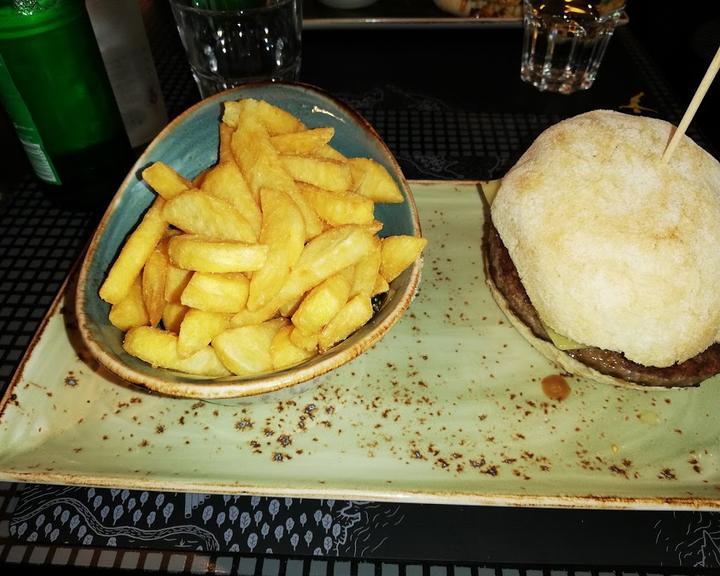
[25,127]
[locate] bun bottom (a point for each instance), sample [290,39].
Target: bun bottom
[552,353]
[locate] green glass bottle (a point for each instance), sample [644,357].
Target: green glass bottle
[54,88]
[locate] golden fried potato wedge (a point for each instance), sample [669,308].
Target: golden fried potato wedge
[276,120]
[348,273]
[164,180]
[262,168]
[356,312]
[225,293]
[371,179]
[308,342]
[197,330]
[224,150]
[304,142]
[246,350]
[288,308]
[366,272]
[324,256]
[134,254]
[381,285]
[399,252]
[247,317]
[207,255]
[197,212]
[321,304]
[130,311]
[329,152]
[284,353]
[173,315]
[338,208]
[226,182]
[154,275]
[175,281]
[283,231]
[321,172]
[159,348]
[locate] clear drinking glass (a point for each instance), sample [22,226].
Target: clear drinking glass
[230,42]
[565,40]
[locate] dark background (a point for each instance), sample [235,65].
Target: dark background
[682,38]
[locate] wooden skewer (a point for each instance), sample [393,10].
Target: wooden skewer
[692,108]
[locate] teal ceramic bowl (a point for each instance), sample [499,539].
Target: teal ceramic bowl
[189,144]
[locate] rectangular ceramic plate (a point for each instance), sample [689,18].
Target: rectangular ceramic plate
[447,407]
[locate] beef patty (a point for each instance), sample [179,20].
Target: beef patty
[507,280]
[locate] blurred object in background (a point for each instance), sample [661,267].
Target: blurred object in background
[230,42]
[565,40]
[683,42]
[120,34]
[482,8]
[54,88]
[347,4]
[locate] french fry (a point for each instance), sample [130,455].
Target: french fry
[348,273]
[197,330]
[226,182]
[224,150]
[130,311]
[288,308]
[329,152]
[197,212]
[321,172]
[283,231]
[399,252]
[321,304]
[173,315]
[159,348]
[226,293]
[381,286]
[247,317]
[276,120]
[154,275]
[324,256]
[206,255]
[134,254]
[366,272]
[338,208]
[246,350]
[175,281]
[302,142]
[356,312]
[284,353]
[307,342]
[164,180]
[261,167]
[371,179]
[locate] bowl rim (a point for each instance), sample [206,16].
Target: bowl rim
[242,386]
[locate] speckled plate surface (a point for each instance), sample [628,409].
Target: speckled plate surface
[448,407]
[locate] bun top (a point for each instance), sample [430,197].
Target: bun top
[614,248]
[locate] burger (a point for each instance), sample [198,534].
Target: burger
[605,258]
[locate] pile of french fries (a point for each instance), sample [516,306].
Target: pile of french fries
[263,260]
